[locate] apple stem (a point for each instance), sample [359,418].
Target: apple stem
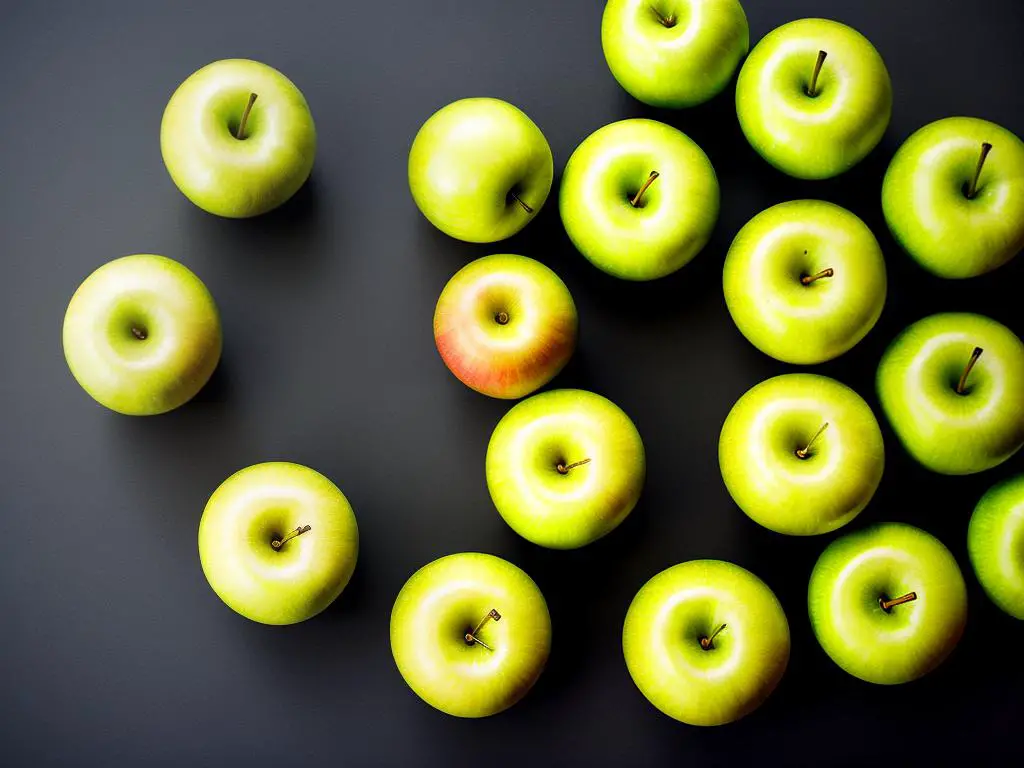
[803,452]
[666,21]
[278,543]
[139,334]
[563,469]
[240,133]
[962,384]
[501,318]
[808,279]
[812,89]
[635,202]
[471,637]
[972,190]
[707,642]
[519,200]
[887,604]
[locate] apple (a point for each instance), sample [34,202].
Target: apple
[674,53]
[953,196]
[470,634]
[995,542]
[237,138]
[814,98]
[505,325]
[480,170]
[142,335]
[804,281]
[887,603]
[706,642]
[565,467]
[639,199]
[278,542]
[801,454]
[952,387]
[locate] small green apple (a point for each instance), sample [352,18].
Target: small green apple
[238,138]
[639,199]
[954,196]
[470,634]
[278,542]
[564,468]
[995,542]
[804,281]
[674,53]
[952,387]
[505,325]
[706,642]
[480,170]
[142,335]
[887,603]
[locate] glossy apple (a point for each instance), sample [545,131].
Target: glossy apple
[952,387]
[954,196]
[814,98]
[674,53]
[505,325]
[706,642]
[995,542]
[278,542]
[142,335]
[237,138]
[804,281]
[639,199]
[470,634]
[887,603]
[480,170]
[564,468]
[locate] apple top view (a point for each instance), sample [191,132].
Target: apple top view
[550,384]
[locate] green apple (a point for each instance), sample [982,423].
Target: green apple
[887,603]
[814,98]
[706,642]
[954,196]
[470,634]
[674,53]
[565,467]
[480,170]
[995,542]
[801,454]
[142,335]
[237,138]
[505,325]
[804,281]
[639,199]
[278,542]
[952,387]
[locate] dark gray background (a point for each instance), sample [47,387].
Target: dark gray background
[113,649]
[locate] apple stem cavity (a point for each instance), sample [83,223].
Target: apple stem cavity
[519,200]
[666,21]
[139,333]
[708,642]
[635,202]
[887,605]
[471,637]
[501,318]
[563,469]
[972,190]
[808,279]
[804,452]
[240,133]
[961,386]
[278,543]
[812,88]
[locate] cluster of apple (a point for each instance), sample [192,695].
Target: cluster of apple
[705,641]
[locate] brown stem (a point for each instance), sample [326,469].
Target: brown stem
[707,642]
[563,469]
[666,21]
[519,200]
[972,190]
[278,543]
[139,333]
[888,604]
[471,637]
[501,318]
[812,89]
[635,202]
[808,279]
[803,452]
[962,384]
[240,133]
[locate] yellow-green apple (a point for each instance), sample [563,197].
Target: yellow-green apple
[952,387]
[142,335]
[470,634]
[706,642]
[238,138]
[278,542]
[887,603]
[565,467]
[995,542]
[505,325]
[639,199]
[480,169]
[801,454]
[814,98]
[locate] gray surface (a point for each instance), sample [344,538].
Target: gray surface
[113,649]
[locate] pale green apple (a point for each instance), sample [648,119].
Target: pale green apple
[480,170]
[142,335]
[237,138]
[674,53]
[565,467]
[952,387]
[470,634]
[639,199]
[995,542]
[706,642]
[887,603]
[804,281]
[278,542]
[801,454]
